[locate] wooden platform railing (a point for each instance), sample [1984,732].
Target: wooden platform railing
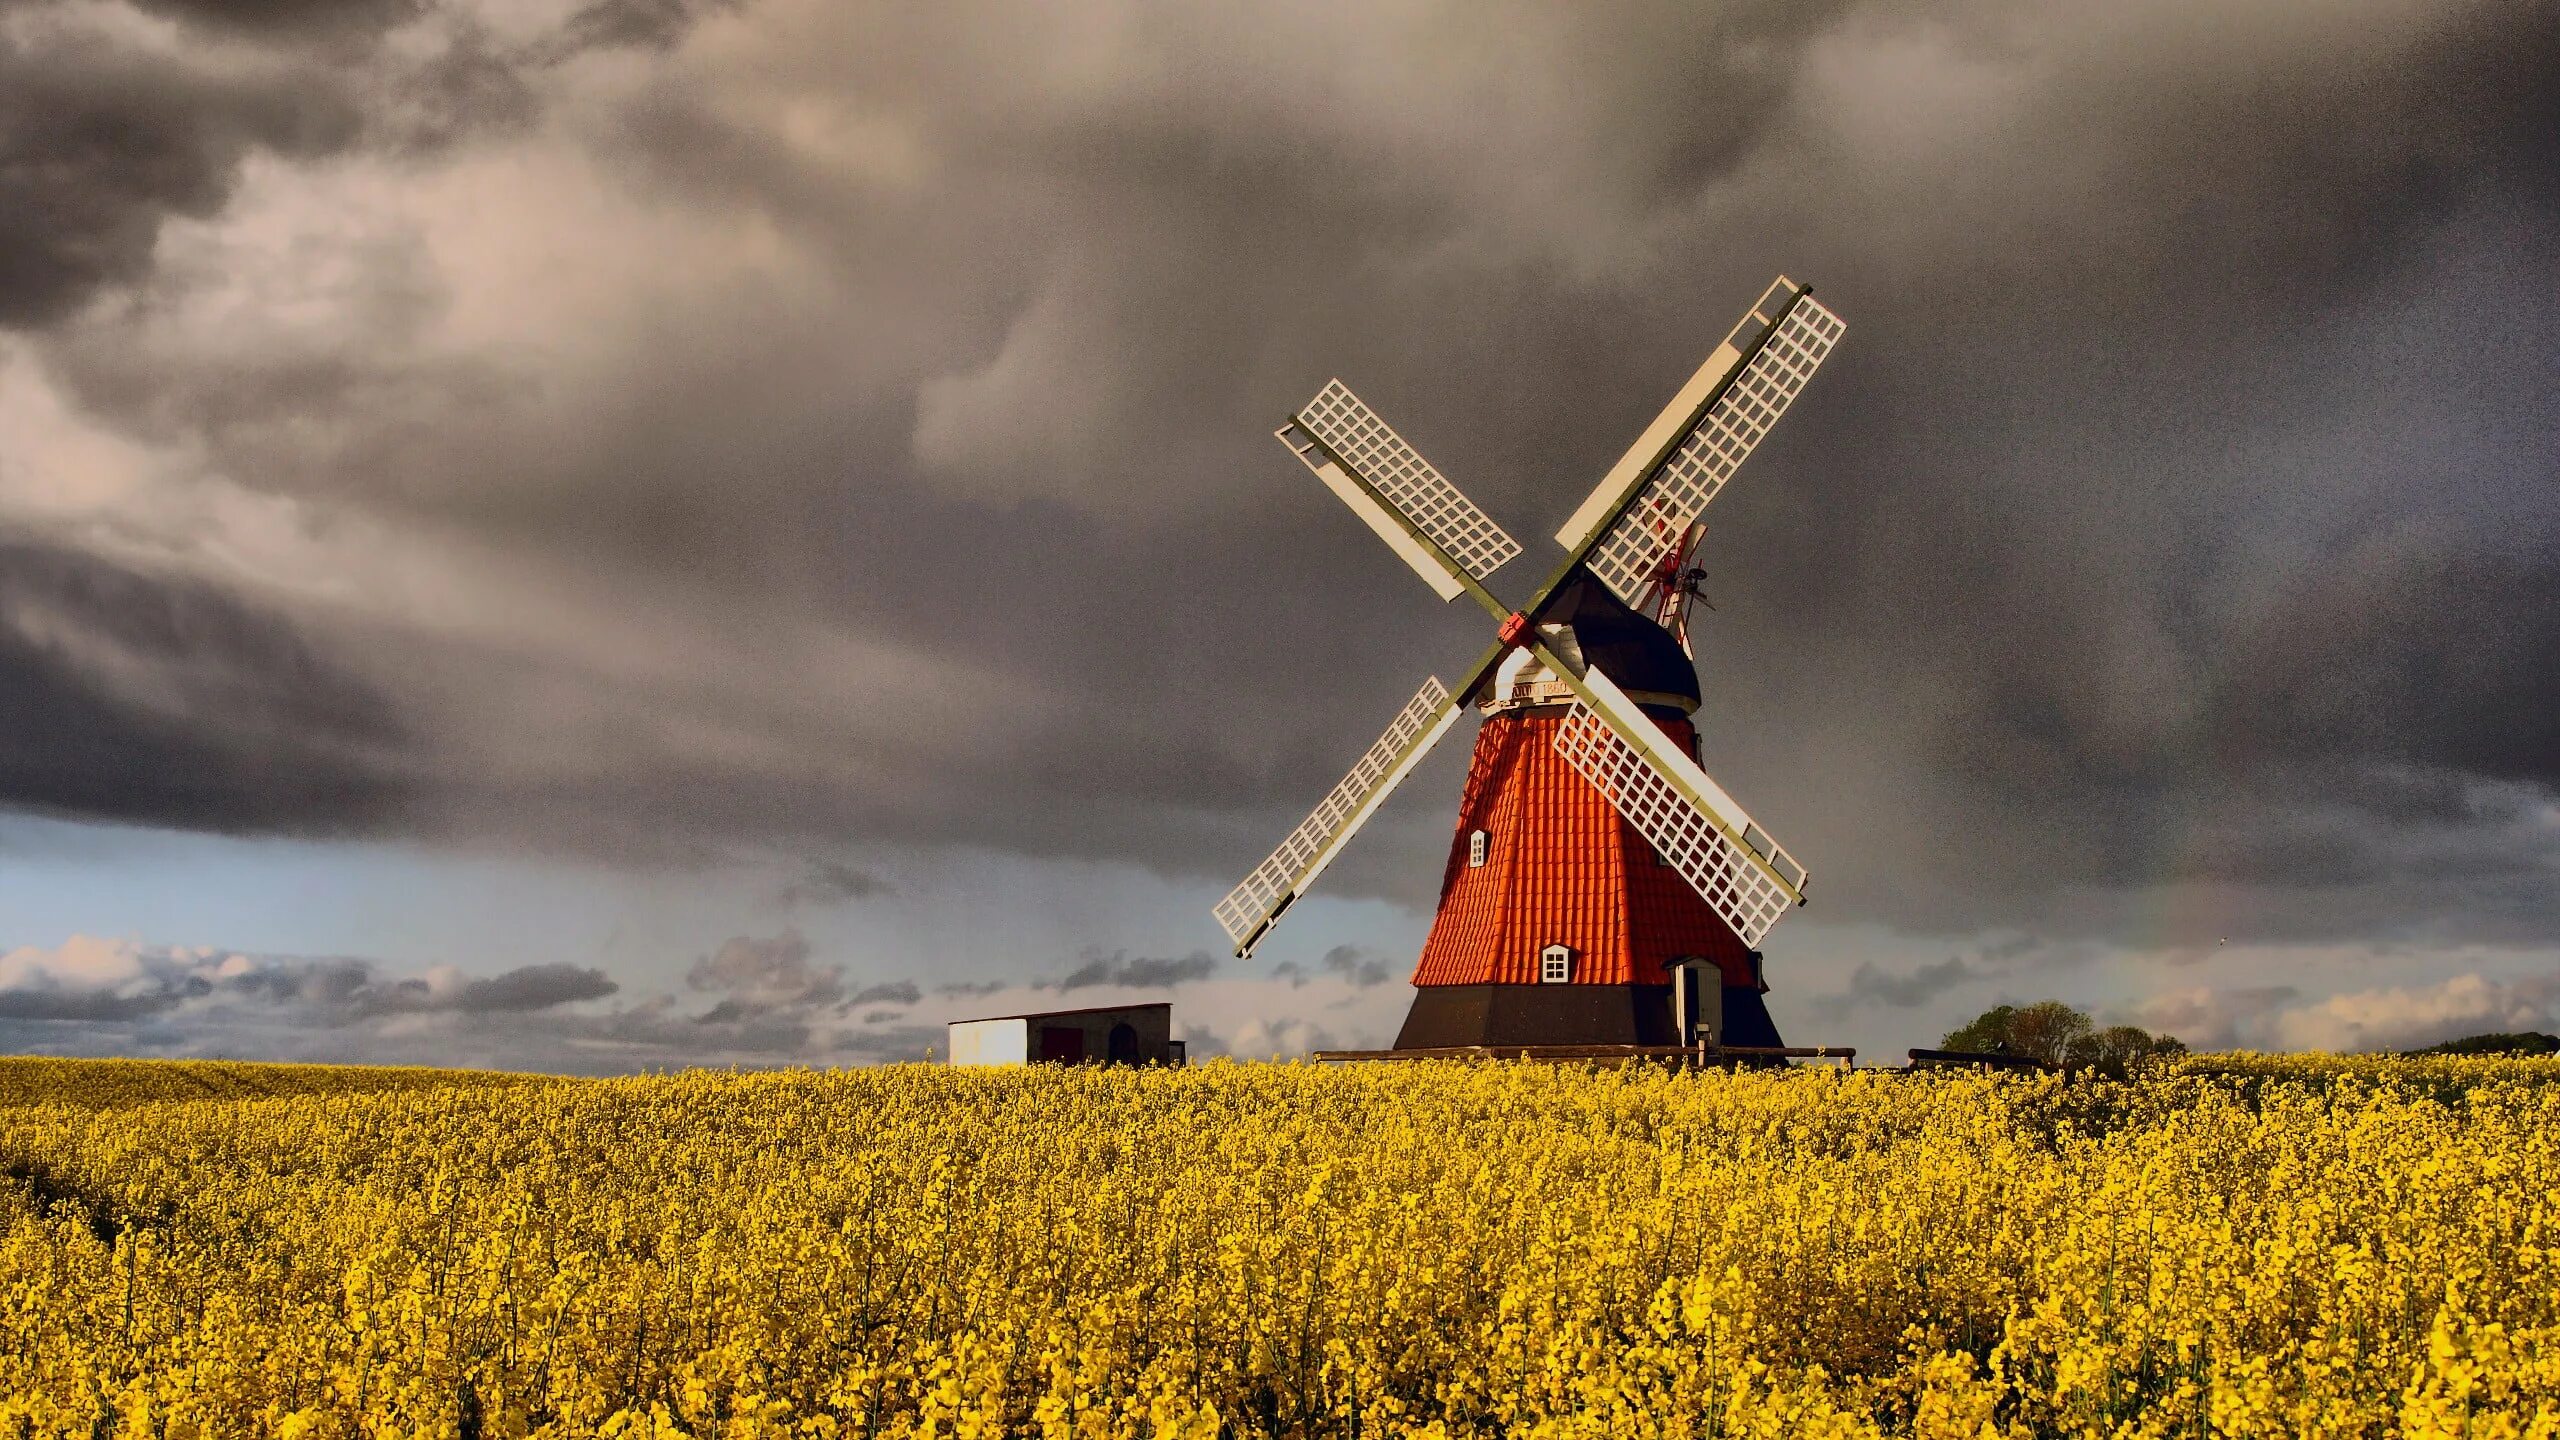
[1666,1054]
[1688,1055]
[1927,1059]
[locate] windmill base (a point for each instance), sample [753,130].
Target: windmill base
[1448,1016]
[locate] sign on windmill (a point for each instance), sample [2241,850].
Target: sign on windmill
[1601,889]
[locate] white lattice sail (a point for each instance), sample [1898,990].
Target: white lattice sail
[1382,460]
[1250,908]
[1741,871]
[1627,558]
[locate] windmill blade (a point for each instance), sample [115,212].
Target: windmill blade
[1664,482]
[1737,867]
[1250,910]
[1449,542]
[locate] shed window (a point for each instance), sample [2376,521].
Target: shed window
[1555,965]
[1475,849]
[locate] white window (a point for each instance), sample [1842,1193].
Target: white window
[1475,850]
[1555,965]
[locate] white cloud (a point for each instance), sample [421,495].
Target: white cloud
[2402,1017]
[2297,1016]
[84,964]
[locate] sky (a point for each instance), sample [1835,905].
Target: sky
[601,535]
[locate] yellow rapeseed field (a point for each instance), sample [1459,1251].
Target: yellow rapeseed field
[114,1084]
[2261,1247]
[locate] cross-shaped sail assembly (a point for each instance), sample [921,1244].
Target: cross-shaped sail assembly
[1637,520]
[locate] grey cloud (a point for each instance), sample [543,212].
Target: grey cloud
[89,1006]
[971,987]
[2015,968]
[774,998]
[1199,965]
[896,992]
[536,987]
[1141,972]
[767,973]
[1358,966]
[111,983]
[353,990]
[2170,516]
[650,24]
[1918,987]
[899,1042]
[114,997]
[832,882]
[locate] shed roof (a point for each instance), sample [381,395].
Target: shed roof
[1164,1005]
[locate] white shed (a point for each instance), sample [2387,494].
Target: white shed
[1101,1035]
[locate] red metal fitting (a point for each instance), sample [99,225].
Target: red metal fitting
[1515,631]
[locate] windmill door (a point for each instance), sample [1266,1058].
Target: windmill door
[1062,1043]
[1697,1002]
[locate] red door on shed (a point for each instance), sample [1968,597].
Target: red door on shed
[1063,1043]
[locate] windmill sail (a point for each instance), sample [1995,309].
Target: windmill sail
[1253,906]
[1626,533]
[1737,867]
[1701,438]
[1428,522]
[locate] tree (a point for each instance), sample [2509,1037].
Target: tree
[2042,1031]
[2120,1048]
[2527,1042]
[1984,1034]
[2058,1034]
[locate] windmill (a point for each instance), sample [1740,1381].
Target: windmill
[1601,888]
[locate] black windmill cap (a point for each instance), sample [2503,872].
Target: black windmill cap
[1630,649]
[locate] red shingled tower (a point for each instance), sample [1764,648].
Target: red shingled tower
[1541,859]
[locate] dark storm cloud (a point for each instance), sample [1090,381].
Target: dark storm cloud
[98,145]
[137,697]
[103,136]
[2174,512]
[273,19]
[2414,648]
